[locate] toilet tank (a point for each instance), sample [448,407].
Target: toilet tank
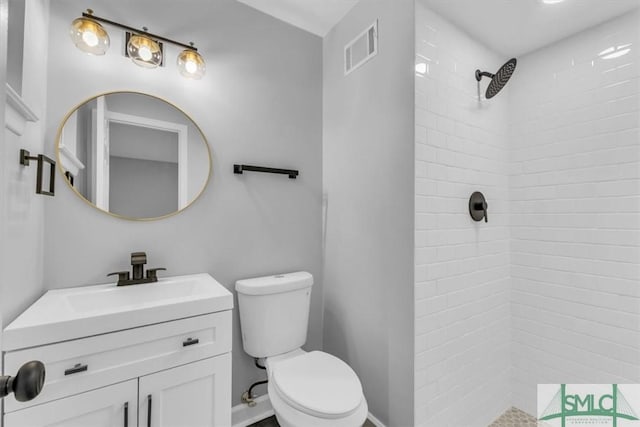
[274,313]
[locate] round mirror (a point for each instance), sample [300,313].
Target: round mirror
[133,155]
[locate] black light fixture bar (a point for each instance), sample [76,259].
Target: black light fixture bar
[89,14]
[238,169]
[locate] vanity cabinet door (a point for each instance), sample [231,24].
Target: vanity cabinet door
[193,395]
[113,406]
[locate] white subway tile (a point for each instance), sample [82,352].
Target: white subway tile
[547,291]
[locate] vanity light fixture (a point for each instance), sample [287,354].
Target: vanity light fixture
[144,49]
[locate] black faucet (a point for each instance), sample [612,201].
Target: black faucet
[138,260]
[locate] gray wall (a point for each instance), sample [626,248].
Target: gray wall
[260,102]
[368,177]
[139,142]
[143,171]
[142,188]
[197,156]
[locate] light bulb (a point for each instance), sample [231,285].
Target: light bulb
[145,53]
[191,67]
[90,38]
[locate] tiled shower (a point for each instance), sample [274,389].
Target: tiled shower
[546,291]
[575,222]
[462,267]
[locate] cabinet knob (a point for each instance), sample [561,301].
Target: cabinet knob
[27,384]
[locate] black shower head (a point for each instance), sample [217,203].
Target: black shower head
[499,79]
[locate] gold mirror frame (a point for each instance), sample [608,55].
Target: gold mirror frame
[84,199]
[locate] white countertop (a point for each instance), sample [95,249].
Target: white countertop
[66,314]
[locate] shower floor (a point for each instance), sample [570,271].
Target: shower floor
[514,417]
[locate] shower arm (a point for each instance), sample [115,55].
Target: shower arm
[480,74]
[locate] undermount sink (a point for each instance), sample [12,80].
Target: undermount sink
[65,314]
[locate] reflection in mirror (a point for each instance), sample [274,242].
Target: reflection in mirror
[133,155]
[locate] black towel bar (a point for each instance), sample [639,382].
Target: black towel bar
[293,174]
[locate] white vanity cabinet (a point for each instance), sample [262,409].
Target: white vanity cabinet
[169,371]
[196,394]
[111,406]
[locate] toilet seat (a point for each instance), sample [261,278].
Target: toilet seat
[318,384]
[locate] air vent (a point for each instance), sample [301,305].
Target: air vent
[361,49]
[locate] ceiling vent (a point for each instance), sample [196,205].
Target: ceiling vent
[361,49]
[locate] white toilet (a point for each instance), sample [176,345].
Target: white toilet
[312,389]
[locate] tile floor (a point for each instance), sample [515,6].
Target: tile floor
[271,422]
[514,417]
[267,422]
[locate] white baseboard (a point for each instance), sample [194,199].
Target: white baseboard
[243,415]
[376,422]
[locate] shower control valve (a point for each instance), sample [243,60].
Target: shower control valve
[478,207]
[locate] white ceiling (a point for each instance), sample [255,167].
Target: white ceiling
[315,16]
[516,27]
[510,27]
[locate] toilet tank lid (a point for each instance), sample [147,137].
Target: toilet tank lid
[275,284]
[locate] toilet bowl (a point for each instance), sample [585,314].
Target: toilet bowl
[313,389]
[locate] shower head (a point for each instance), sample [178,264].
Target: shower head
[499,79]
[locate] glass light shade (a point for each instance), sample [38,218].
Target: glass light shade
[144,51]
[89,36]
[191,64]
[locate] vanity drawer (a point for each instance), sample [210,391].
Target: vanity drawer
[88,363]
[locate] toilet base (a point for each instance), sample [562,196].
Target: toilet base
[291,417]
